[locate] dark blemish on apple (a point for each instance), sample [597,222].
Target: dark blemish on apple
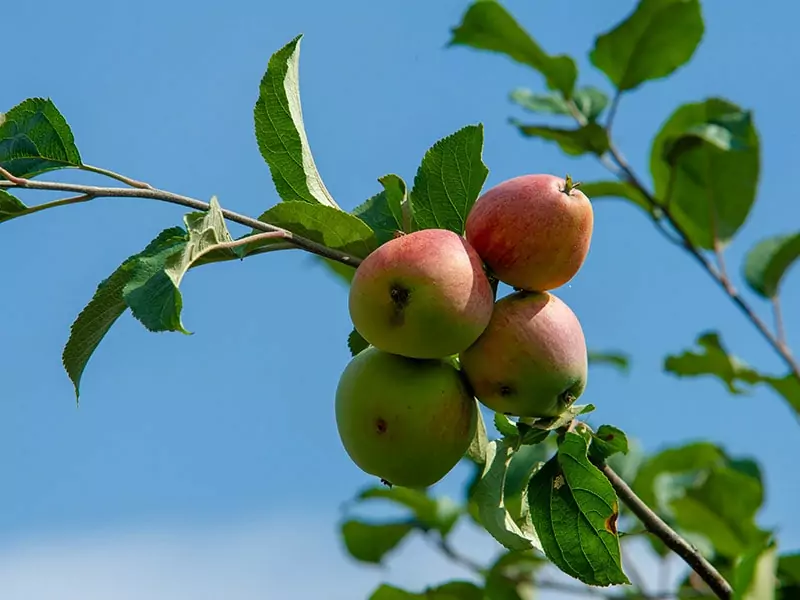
[506,391]
[380,425]
[400,296]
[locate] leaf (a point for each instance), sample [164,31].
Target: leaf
[657,38]
[505,426]
[710,190]
[453,590]
[35,138]
[722,509]
[575,510]
[511,577]
[479,446]
[280,131]
[488,497]
[589,101]
[108,302]
[713,359]
[788,387]
[616,189]
[727,133]
[620,360]
[356,343]
[608,441]
[449,180]
[325,225]
[370,542]
[384,211]
[768,261]
[488,26]
[565,418]
[440,514]
[591,138]
[754,575]
[10,206]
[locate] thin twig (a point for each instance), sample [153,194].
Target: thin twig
[780,330]
[155,194]
[666,534]
[612,112]
[117,176]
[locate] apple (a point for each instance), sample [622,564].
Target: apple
[531,361]
[421,295]
[405,420]
[532,231]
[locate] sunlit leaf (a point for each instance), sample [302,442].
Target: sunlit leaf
[768,261]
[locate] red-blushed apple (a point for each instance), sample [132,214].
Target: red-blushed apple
[421,295]
[531,361]
[532,231]
[405,420]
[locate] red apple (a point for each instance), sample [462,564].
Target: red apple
[533,231]
[421,295]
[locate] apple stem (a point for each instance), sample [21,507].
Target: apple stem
[570,185]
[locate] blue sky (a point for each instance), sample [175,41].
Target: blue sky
[234,425]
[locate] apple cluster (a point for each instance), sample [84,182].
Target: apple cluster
[405,406]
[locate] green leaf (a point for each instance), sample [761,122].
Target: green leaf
[591,138]
[710,190]
[453,590]
[657,38]
[565,418]
[608,441]
[356,343]
[511,576]
[616,189]
[788,387]
[384,211]
[479,446]
[440,514]
[35,138]
[108,302]
[280,131]
[755,573]
[488,26]
[325,225]
[768,261]
[370,542]
[589,101]
[575,510]
[488,495]
[505,426]
[789,576]
[619,360]
[10,206]
[722,509]
[449,180]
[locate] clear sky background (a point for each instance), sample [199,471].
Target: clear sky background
[209,466]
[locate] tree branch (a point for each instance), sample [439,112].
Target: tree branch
[90,192]
[666,534]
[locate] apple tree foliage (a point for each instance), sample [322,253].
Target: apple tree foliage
[538,486]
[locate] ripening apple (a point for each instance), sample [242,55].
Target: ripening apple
[421,295]
[405,420]
[532,231]
[531,361]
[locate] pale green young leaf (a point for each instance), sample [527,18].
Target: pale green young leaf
[589,101]
[281,134]
[652,42]
[618,360]
[449,180]
[487,25]
[10,206]
[35,138]
[768,262]
[440,513]
[754,576]
[479,445]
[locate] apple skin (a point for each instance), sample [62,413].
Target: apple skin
[404,420]
[421,295]
[532,360]
[530,232]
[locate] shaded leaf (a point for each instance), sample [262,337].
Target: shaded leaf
[383,212]
[616,189]
[479,446]
[565,418]
[788,387]
[620,360]
[575,510]
[710,190]
[652,42]
[280,131]
[591,138]
[108,302]
[768,261]
[488,26]
[511,576]
[449,180]
[356,343]
[10,206]
[608,441]
[453,590]
[589,101]
[370,542]
[440,514]
[505,426]
[754,576]
[488,495]
[35,138]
